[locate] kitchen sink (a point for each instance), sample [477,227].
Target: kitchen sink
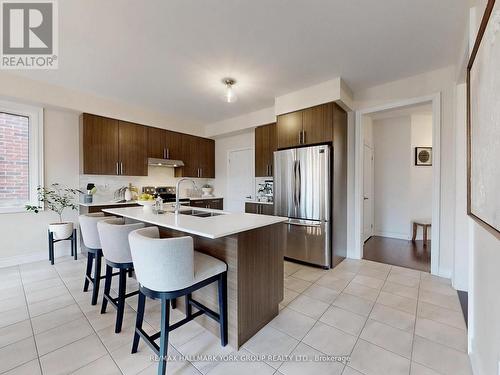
[198,213]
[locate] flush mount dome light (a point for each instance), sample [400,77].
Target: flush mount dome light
[229,96]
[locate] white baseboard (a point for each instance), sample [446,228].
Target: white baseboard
[33,257]
[399,236]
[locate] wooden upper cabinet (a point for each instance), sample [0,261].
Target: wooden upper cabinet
[207,158]
[100,144]
[265,145]
[289,128]
[133,146]
[317,124]
[173,145]
[198,155]
[157,143]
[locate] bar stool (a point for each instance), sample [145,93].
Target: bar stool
[168,268]
[113,234]
[90,237]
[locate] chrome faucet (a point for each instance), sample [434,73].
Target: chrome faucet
[177,204]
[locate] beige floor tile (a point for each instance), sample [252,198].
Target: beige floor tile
[321,293]
[174,367]
[309,274]
[400,290]
[100,321]
[350,371]
[401,303]
[396,270]
[55,318]
[387,337]
[344,320]
[131,364]
[292,323]
[368,281]
[440,358]
[202,345]
[103,366]
[112,340]
[16,354]
[13,291]
[441,333]
[13,316]
[297,285]
[15,332]
[291,268]
[427,276]
[308,306]
[332,282]
[352,303]
[340,274]
[35,286]
[270,341]
[404,280]
[12,303]
[448,302]
[393,317]
[310,366]
[375,265]
[243,367]
[288,296]
[185,333]
[418,369]
[437,287]
[373,360]
[45,294]
[29,368]
[51,304]
[362,291]
[351,265]
[329,340]
[441,315]
[375,273]
[73,356]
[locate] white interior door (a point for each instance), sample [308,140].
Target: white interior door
[240,179]
[367,193]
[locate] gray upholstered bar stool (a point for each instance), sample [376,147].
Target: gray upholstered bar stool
[90,237]
[168,268]
[113,234]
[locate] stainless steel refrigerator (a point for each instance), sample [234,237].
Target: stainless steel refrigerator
[303,193]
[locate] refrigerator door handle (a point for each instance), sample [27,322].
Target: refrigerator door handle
[300,182]
[295,184]
[303,223]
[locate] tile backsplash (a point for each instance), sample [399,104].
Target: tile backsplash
[157,176]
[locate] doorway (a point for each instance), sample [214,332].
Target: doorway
[393,189]
[240,181]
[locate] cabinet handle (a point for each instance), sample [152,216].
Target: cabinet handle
[300,137]
[270,169]
[303,136]
[121,167]
[168,153]
[164,153]
[117,170]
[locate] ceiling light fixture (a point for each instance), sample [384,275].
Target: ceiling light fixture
[229,96]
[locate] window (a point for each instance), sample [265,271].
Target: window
[21,158]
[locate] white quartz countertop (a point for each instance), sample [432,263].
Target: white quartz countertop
[210,227]
[108,203]
[258,202]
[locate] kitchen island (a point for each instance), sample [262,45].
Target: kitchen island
[252,247]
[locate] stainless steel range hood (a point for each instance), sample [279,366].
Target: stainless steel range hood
[169,163]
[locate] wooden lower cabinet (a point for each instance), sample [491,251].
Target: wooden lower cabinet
[214,204]
[259,208]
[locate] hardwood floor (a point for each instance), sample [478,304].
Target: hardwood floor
[399,252]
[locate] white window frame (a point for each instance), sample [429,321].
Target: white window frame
[35,134]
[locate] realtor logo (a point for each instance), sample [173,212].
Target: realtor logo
[29,34]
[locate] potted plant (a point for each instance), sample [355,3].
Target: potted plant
[207,190]
[57,198]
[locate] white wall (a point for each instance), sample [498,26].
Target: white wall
[443,81]
[223,145]
[24,235]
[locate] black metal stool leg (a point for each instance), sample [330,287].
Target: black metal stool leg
[165,315]
[51,247]
[173,303]
[141,303]
[97,277]
[88,272]
[73,243]
[222,284]
[107,288]
[188,305]
[122,285]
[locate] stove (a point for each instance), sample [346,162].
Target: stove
[167,193]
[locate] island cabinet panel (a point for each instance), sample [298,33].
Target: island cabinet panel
[289,129]
[100,144]
[254,279]
[133,156]
[265,145]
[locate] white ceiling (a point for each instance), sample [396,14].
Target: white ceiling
[169,55]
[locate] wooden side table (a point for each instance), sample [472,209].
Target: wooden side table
[425,224]
[52,241]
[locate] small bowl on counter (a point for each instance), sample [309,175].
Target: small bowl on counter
[147,204]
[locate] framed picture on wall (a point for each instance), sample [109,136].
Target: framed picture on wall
[423,156]
[483,123]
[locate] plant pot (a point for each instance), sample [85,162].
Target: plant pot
[61,230]
[207,191]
